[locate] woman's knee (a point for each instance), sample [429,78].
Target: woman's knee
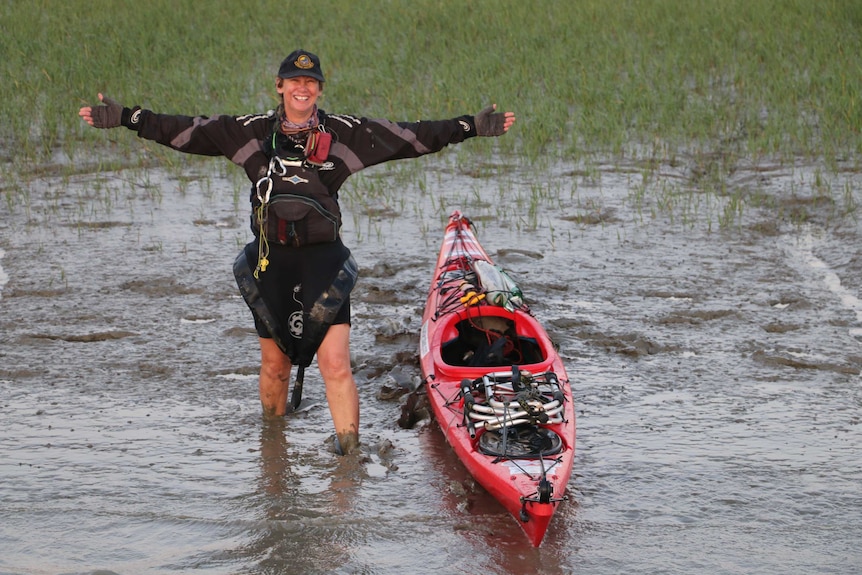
[333,356]
[335,368]
[274,364]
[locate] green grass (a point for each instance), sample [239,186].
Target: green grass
[635,78]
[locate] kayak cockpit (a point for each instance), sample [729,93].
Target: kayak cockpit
[490,341]
[496,338]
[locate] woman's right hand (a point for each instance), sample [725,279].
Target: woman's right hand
[108,116]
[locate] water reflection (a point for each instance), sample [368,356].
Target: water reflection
[301,529]
[276,478]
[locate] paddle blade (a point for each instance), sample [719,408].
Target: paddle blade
[296,393]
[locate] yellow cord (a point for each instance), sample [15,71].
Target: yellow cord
[262,245]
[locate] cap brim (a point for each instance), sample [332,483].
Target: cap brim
[299,73]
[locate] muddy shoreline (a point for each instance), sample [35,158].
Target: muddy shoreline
[715,361]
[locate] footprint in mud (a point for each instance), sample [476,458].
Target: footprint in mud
[385,295]
[695,317]
[391,329]
[632,345]
[372,458]
[84,338]
[160,287]
[797,361]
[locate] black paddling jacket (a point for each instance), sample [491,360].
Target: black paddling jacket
[356,143]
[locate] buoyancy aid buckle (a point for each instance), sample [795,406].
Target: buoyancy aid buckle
[278,166]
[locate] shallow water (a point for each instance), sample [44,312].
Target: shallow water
[716,372]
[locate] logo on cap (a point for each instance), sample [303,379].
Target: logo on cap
[304,62]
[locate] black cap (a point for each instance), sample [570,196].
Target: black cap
[301,63]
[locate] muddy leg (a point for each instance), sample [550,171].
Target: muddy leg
[274,378]
[333,359]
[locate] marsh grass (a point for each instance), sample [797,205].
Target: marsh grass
[717,81]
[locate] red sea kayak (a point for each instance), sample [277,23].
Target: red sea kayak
[495,382]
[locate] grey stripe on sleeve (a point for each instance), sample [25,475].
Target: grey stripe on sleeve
[183,137]
[404,134]
[244,153]
[351,160]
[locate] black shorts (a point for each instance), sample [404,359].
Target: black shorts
[294,279]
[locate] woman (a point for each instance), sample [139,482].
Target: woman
[297,158]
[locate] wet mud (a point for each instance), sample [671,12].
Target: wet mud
[713,336]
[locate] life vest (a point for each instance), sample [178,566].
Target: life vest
[290,204]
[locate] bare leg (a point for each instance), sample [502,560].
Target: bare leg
[333,359]
[274,378]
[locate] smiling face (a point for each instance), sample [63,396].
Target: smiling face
[299,95]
